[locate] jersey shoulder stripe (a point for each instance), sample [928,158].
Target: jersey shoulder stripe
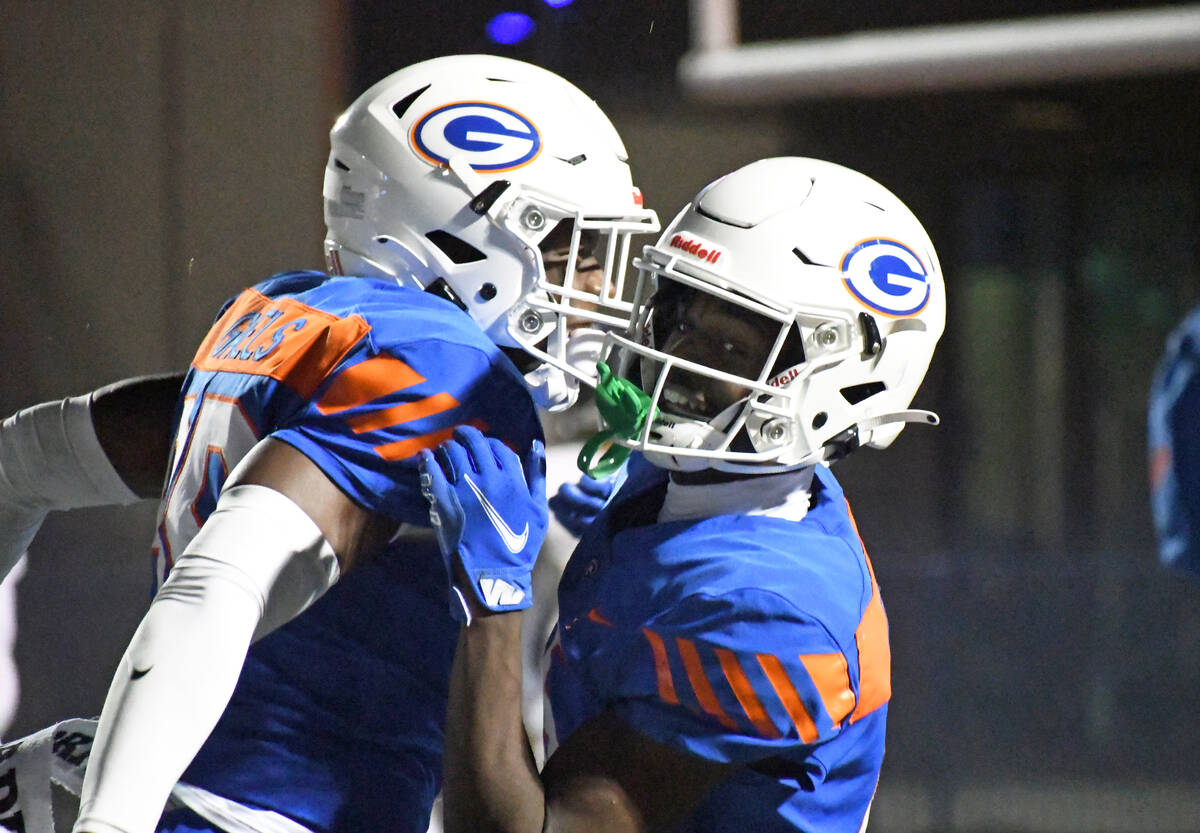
[753,693]
[367,381]
[378,378]
[744,691]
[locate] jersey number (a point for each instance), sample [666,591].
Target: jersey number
[214,434]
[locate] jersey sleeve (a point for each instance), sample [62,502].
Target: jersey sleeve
[368,420]
[737,678]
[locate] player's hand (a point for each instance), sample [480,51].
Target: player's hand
[489,515]
[577,504]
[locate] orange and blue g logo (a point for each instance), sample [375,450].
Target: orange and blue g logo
[886,276]
[491,138]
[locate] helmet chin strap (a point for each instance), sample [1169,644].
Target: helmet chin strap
[692,433]
[551,388]
[584,348]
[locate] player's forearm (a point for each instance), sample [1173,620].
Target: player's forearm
[256,563]
[51,459]
[167,694]
[491,781]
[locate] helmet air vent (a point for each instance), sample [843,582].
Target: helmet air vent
[724,221]
[340,165]
[401,106]
[805,259]
[455,248]
[857,393]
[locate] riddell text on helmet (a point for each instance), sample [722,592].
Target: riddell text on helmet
[704,251]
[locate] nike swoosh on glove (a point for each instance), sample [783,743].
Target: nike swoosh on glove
[577,504]
[489,512]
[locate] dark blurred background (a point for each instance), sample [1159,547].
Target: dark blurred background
[156,157]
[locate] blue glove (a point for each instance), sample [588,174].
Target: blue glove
[489,514]
[577,504]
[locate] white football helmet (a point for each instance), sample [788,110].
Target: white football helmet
[447,176]
[844,297]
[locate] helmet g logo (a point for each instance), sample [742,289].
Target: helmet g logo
[886,276]
[492,138]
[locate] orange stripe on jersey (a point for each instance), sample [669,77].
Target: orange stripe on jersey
[831,676]
[366,382]
[596,616]
[789,697]
[874,657]
[662,668]
[744,691]
[283,339]
[700,685]
[874,650]
[406,412]
[404,449]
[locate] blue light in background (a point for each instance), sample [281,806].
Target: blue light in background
[510,27]
[558,4]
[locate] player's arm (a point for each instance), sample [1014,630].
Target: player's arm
[279,537]
[353,532]
[106,447]
[606,777]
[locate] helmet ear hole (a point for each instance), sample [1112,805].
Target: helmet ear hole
[819,420]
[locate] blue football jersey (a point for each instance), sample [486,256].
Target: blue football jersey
[743,639]
[1173,434]
[337,720]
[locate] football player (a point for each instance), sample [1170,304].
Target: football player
[721,660]
[479,212]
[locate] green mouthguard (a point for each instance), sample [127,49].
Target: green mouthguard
[624,407]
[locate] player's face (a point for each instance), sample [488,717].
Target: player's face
[704,329]
[589,271]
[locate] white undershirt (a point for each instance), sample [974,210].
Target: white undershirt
[785,495]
